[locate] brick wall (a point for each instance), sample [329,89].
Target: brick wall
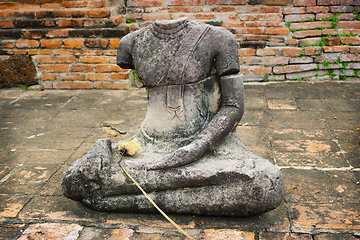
[73,42]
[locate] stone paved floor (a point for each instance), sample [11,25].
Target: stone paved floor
[309,130]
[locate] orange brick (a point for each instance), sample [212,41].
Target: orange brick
[186,2]
[249,30]
[108,68]
[97,76]
[312,50]
[61,13]
[244,70]
[7,6]
[318,9]
[343,48]
[62,52]
[114,43]
[233,24]
[275,60]
[114,21]
[204,15]
[267,52]
[294,68]
[4,44]
[82,68]
[54,68]
[6,24]
[292,52]
[98,4]
[39,51]
[305,34]
[19,52]
[145,3]
[224,9]
[112,85]
[310,25]
[73,85]
[87,52]
[50,6]
[55,59]
[78,13]
[292,10]
[32,34]
[179,9]
[74,4]
[110,52]
[270,9]
[72,77]
[261,17]
[355,49]
[277,31]
[47,76]
[119,76]
[73,43]
[58,33]
[305,2]
[47,85]
[47,43]
[265,24]
[156,16]
[225,2]
[261,70]
[227,15]
[30,6]
[246,52]
[209,234]
[22,43]
[94,59]
[70,22]
[99,13]
[350,40]
[96,43]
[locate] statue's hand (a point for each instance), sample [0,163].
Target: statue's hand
[182,156]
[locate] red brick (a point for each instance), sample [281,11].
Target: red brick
[108,68]
[95,22]
[354,49]
[61,13]
[6,24]
[87,52]
[99,13]
[224,9]
[226,2]
[112,85]
[204,15]
[261,70]
[58,33]
[119,76]
[115,21]
[294,68]
[19,52]
[97,76]
[317,9]
[156,16]
[78,13]
[246,52]
[312,50]
[179,9]
[9,14]
[98,4]
[47,77]
[54,68]
[347,16]
[291,41]
[299,17]
[39,52]
[114,43]
[55,59]
[62,52]
[310,25]
[328,2]
[284,236]
[7,6]
[96,43]
[261,17]
[327,57]
[47,43]
[350,40]
[233,24]
[249,30]
[73,43]
[257,37]
[22,43]
[269,9]
[69,22]
[275,60]
[156,9]
[267,52]
[277,31]
[209,234]
[244,70]
[347,2]
[82,68]
[72,77]
[179,15]
[309,33]
[305,2]
[74,4]
[331,49]
[349,24]
[292,52]
[5,44]
[265,24]
[30,6]
[297,60]
[292,10]
[73,85]
[186,2]
[342,9]
[94,59]
[350,57]
[145,3]
[50,5]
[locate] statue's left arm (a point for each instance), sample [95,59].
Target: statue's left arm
[227,117]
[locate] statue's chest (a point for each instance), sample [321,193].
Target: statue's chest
[172,61]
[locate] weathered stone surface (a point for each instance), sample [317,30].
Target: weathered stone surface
[52,231]
[191,160]
[17,71]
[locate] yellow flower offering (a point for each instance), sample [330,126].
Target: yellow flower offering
[130,147]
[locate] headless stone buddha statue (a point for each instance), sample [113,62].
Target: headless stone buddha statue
[192,160]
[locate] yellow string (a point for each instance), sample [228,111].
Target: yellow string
[156,206]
